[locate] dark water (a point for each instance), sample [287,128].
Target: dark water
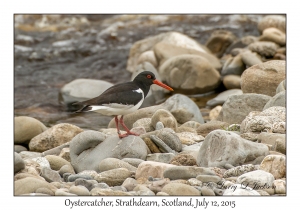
[40,72]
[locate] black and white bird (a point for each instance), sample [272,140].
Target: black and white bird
[122,99]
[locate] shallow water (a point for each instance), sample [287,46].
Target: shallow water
[39,76]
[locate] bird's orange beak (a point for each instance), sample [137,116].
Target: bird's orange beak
[162,85]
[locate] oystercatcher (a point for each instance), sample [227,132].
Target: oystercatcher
[122,99]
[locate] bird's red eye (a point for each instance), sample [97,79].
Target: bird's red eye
[149,76]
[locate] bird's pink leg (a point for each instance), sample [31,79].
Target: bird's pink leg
[117,125]
[127,130]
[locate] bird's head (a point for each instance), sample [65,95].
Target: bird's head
[148,78]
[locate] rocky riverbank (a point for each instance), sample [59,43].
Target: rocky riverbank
[233,145]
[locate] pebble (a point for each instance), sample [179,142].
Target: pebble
[53,137]
[133,161]
[129,184]
[274,164]
[19,163]
[113,177]
[207,191]
[151,168]
[57,162]
[186,172]
[229,148]
[160,157]
[113,163]
[257,179]
[183,160]
[50,175]
[88,184]
[73,177]
[19,148]
[161,144]
[26,128]
[280,186]
[208,178]
[30,185]
[79,190]
[180,189]
[66,169]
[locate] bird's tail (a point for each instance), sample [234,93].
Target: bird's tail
[85,108]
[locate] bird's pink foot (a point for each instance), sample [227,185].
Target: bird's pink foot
[127,134]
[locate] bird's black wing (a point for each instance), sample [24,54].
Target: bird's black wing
[121,94]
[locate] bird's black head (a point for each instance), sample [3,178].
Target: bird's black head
[147,78]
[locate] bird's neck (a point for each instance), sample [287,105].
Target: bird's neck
[145,88]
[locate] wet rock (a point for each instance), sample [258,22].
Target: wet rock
[185,73]
[147,44]
[237,107]
[229,148]
[273,35]
[250,58]
[89,148]
[269,21]
[180,189]
[26,128]
[277,100]
[263,78]
[232,81]
[274,164]
[233,66]
[83,89]
[53,137]
[219,41]
[264,48]
[223,96]
[148,56]
[164,51]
